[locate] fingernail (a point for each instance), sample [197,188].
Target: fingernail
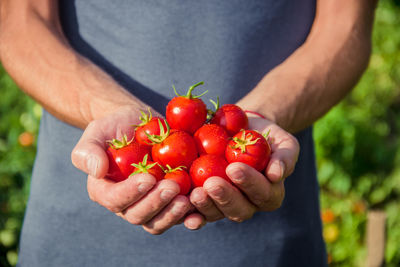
[92,165]
[167,194]
[177,209]
[217,191]
[199,201]
[278,169]
[192,225]
[144,187]
[196,198]
[143,184]
[236,174]
[282,168]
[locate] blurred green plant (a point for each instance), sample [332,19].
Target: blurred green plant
[357,147]
[18,130]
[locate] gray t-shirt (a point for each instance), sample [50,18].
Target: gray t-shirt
[147,46]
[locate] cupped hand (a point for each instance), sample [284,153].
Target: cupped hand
[250,191]
[139,199]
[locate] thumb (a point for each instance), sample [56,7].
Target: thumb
[89,154]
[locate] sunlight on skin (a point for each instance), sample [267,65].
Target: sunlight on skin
[218,199]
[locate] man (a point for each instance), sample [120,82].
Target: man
[95,64]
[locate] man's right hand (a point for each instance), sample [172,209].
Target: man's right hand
[138,199]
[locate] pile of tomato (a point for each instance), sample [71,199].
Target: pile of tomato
[190,145]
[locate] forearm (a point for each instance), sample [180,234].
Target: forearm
[38,57]
[322,71]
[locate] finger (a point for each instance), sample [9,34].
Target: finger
[169,216]
[191,210]
[194,221]
[146,208]
[285,152]
[118,196]
[229,200]
[285,149]
[89,154]
[205,205]
[266,196]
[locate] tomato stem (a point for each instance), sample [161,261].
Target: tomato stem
[210,112]
[189,93]
[191,88]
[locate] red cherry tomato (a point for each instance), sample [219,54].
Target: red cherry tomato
[249,147]
[174,148]
[186,113]
[211,139]
[150,125]
[121,154]
[149,167]
[181,177]
[207,166]
[232,118]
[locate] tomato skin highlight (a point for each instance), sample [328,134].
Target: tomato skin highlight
[182,178]
[120,160]
[186,114]
[207,166]
[232,118]
[255,155]
[178,149]
[211,139]
[152,128]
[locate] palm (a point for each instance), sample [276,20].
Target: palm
[140,199]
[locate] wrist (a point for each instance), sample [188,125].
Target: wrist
[250,114]
[277,96]
[100,95]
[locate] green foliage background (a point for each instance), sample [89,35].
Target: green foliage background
[358,152]
[18,114]
[357,147]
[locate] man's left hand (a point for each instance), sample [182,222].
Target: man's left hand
[251,190]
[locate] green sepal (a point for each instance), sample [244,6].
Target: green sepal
[142,167]
[266,135]
[244,141]
[117,144]
[145,118]
[164,133]
[169,169]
